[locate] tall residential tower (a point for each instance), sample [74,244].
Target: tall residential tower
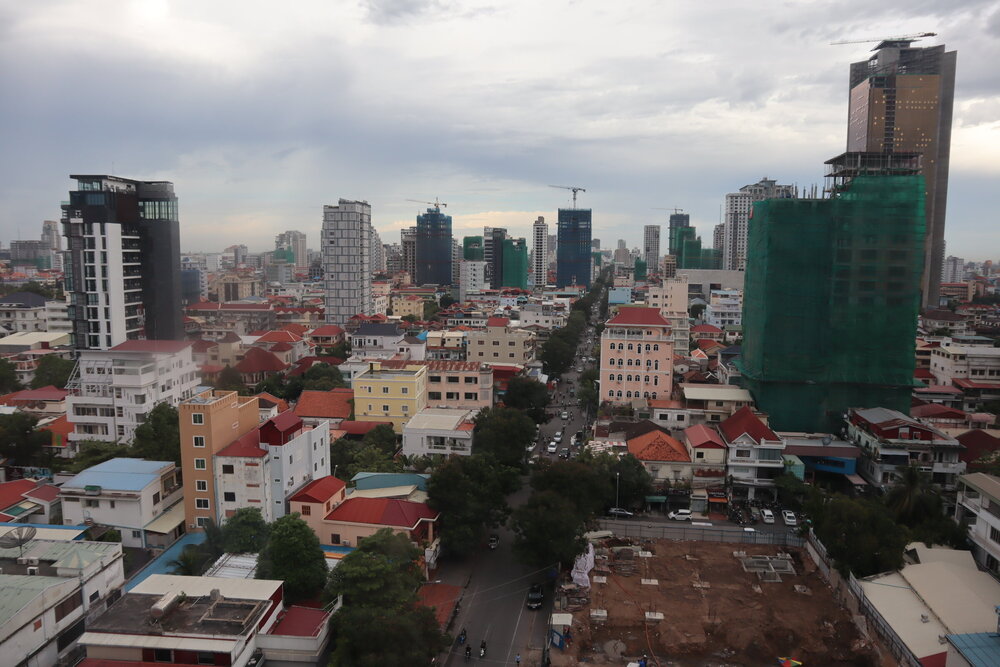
[651,247]
[540,252]
[738,209]
[346,239]
[573,259]
[433,251]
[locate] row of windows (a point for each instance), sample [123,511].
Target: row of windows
[451,395]
[650,363]
[655,347]
[630,394]
[636,378]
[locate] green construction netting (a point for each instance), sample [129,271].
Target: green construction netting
[832,292]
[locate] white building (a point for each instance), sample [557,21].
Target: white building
[22,311]
[671,299]
[471,279]
[346,239]
[651,247]
[376,340]
[755,453]
[953,270]
[57,317]
[129,495]
[112,391]
[439,431]
[978,504]
[739,206]
[551,315]
[270,464]
[540,252]
[965,362]
[725,308]
[48,588]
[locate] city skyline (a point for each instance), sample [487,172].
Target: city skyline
[257,152]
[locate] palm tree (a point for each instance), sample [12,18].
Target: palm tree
[911,498]
[189,563]
[213,546]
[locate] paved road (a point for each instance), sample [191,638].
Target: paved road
[494,604]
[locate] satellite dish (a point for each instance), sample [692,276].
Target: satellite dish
[17,537]
[827,439]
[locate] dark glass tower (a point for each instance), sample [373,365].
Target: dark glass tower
[573,259]
[122,261]
[433,249]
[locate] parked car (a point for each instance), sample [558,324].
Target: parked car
[552,448]
[619,512]
[680,515]
[767,516]
[788,516]
[558,436]
[564,454]
[564,415]
[535,596]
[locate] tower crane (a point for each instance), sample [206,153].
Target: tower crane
[436,204]
[674,209]
[574,188]
[900,38]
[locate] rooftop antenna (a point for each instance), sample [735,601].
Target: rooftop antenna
[574,188]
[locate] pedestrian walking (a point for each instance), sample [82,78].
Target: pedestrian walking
[517,659]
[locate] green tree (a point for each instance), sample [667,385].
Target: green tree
[214,544]
[372,459]
[8,377]
[576,482]
[382,438]
[861,536]
[528,395]
[505,433]
[911,498]
[293,555]
[189,563]
[52,370]
[470,492]
[588,394]
[245,532]
[446,301]
[158,438]
[92,452]
[626,480]
[430,310]
[381,572]
[696,310]
[341,350]
[322,377]
[20,442]
[272,384]
[557,354]
[548,530]
[230,380]
[409,318]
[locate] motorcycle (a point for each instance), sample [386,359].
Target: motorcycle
[468,653]
[482,649]
[461,637]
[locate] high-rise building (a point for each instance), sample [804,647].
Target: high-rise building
[651,246]
[239,254]
[901,100]
[677,222]
[739,206]
[51,236]
[953,270]
[408,239]
[377,253]
[573,260]
[493,238]
[515,264]
[346,238]
[393,253]
[472,279]
[456,259]
[719,236]
[472,248]
[296,242]
[124,255]
[621,244]
[433,248]
[540,252]
[838,272]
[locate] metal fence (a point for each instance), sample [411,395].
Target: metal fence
[687,532]
[899,650]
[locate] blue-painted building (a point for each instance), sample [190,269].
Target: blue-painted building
[820,452]
[573,252]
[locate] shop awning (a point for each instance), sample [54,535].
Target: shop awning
[713,499]
[166,522]
[656,499]
[856,480]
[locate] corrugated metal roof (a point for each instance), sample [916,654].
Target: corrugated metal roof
[121,474]
[240,589]
[980,649]
[18,590]
[168,520]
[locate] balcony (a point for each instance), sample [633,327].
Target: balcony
[954,468]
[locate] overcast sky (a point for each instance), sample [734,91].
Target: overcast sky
[261,112]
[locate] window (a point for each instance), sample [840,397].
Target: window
[470,396]
[156,498]
[66,607]
[199,441]
[163,655]
[201,503]
[470,380]
[206,658]
[699,455]
[452,379]
[742,453]
[89,502]
[199,464]
[227,469]
[200,485]
[306,510]
[197,418]
[136,534]
[229,496]
[335,538]
[995,534]
[202,521]
[385,408]
[405,390]
[434,395]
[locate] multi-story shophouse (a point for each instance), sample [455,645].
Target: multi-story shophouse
[636,356]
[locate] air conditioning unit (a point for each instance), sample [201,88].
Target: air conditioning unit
[32,561]
[22,561]
[33,571]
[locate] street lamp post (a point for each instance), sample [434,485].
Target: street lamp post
[618,476]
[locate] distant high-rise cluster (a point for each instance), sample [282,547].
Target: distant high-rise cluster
[296,243]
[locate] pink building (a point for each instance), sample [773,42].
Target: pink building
[636,356]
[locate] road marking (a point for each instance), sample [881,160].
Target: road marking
[514,636]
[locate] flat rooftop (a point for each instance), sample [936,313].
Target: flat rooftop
[194,615]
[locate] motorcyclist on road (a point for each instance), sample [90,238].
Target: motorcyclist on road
[461,637]
[482,649]
[468,652]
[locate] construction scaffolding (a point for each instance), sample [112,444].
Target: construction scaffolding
[832,293]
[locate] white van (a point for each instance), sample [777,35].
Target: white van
[767,516]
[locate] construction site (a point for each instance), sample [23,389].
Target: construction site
[704,604]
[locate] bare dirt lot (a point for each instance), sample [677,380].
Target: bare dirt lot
[714,611]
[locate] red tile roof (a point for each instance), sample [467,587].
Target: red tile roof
[296,328]
[281,347]
[329,330]
[333,404]
[279,337]
[977,443]
[657,446]
[745,421]
[280,402]
[972,384]
[49,393]
[300,622]
[319,490]
[707,344]
[703,437]
[936,411]
[12,493]
[46,492]
[60,426]
[260,361]
[639,317]
[705,328]
[153,346]
[382,512]
[204,345]
[497,322]
[246,447]
[360,427]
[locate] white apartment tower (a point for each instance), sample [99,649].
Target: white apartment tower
[540,252]
[346,240]
[651,247]
[377,253]
[739,206]
[472,279]
[953,270]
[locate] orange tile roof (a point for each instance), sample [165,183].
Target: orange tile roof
[319,490]
[382,512]
[260,361]
[640,317]
[745,421]
[333,404]
[703,437]
[279,336]
[657,446]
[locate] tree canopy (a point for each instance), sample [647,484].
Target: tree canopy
[528,395]
[92,452]
[293,554]
[861,536]
[159,437]
[548,530]
[8,378]
[245,531]
[230,380]
[20,441]
[505,433]
[52,370]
